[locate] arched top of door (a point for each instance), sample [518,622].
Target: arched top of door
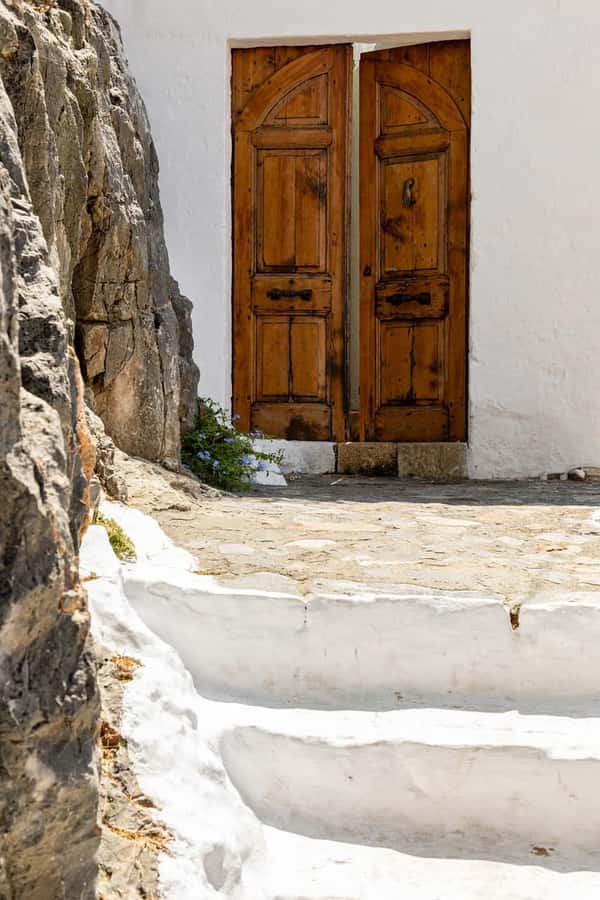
[424,89]
[282,83]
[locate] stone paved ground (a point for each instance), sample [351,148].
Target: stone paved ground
[514,539]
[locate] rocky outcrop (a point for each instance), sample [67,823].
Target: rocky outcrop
[48,694]
[85,289]
[106,469]
[93,176]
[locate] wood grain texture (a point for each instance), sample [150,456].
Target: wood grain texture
[414,208]
[291,118]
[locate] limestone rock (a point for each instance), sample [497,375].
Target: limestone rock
[188,371]
[106,469]
[93,176]
[48,695]
[83,266]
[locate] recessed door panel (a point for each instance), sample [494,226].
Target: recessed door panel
[307,105]
[272,358]
[395,341]
[427,352]
[276,238]
[409,361]
[400,109]
[292,212]
[412,214]
[308,351]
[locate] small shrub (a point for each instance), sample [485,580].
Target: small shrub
[221,455]
[121,544]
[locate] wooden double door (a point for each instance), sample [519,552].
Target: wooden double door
[292,110]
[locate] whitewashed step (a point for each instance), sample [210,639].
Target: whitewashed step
[419,804]
[433,782]
[308,869]
[339,645]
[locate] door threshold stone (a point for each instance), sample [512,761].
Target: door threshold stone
[433,461]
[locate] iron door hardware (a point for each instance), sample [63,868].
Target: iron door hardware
[278,294]
[407,193]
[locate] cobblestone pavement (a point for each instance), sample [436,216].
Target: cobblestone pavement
[514,539]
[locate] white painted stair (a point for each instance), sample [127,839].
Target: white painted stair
[435,782]
[307,869]
[275,791]
[346,645]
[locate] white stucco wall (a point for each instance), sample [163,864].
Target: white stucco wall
[535,280]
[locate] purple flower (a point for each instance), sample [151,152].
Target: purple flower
[216,464]
[262,466]
[247,460]
[235,417]
[228,440]
[203,454]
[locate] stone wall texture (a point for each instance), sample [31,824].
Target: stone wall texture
[85,289]
[48,695]
[93,176]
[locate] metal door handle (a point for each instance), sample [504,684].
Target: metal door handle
[278,294]
[407,195]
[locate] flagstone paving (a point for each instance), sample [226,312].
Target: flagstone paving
[514,539]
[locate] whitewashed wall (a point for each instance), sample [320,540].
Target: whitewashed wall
[535,282]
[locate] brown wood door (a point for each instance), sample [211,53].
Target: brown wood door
[291,119]
[414,173]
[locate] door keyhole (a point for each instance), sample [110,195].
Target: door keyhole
[407,193]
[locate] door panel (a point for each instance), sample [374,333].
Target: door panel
[291,118]
[399,110]
[307,105]
[410,363]
[413,224]
[308,352]
[292,219]
[414,130]
[272,358]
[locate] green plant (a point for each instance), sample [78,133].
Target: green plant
[121,544]
[221,455]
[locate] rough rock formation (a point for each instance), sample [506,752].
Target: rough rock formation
[48,695]
[93,176]
[106,469]
[83,267]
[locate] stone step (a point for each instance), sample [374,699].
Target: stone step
[349,645]
[493,786]
[412,804]
[435,461]
[309,869]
